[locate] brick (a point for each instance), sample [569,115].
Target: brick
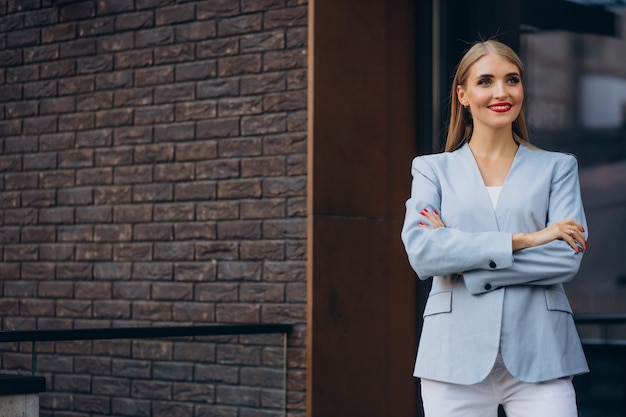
[152,390]
[131,290]
[97,139]
[263,124]
[11,57]
[174,132]
[76,159]
[282,60]
[111,386]
[112,118]
[132,252]
[152,192]
[20,216]
[288,101]
[196,31]
[154,76]
[131,407]
[55,289]
[10,235]
[133,97]
[174,93]
[195,271]
[93,214]
[56,215]
[80,233]
[112,271]
[197,110]
[284,313]
[21,289]
[263,167]
[285,186]
[112,194]
[22,38]
[291,271]
[175,14]
[265,41]
[96,27]
[174,212]
[133,59]
[297,121]
[38,198]
[37,17]
[92,403]
[112,309]
[114,80]
[239,271]
[31,234]
[151,310]
[229,107]
[57,105]
[237,313]
[137,20]
[174,53]
[261,5]
[197,190]
[174,251]
[239,189]
[196,71]
[285,229]
[134,213]
[77,85]
[38,125]
[243,64]
[217,8]
[179,171]
[284,144]
[154,37]
[297,38]
[41,53]
[218,169]
[217,210]
[241,229]
[238,25]
[81,47]
[172,291]
[296,207]
[217,88]
[40,161]
[73,308]
[22,74]
[9,199]
[12,92]
[218,128]
[94,252]
[92,290]
[132,135]
[106,7]
[199,150]
[135,174]
[77,11]
[217,48]
[216,292]
[21,109]
[169,408]
[95,101]
[112,233]
[116,43]
[56,252]
[193,312]
[262,250]
[288,17]
[154,114]
[94,65]
[152,232]
[95,176]
[216,250]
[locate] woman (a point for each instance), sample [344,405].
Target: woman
[499,226]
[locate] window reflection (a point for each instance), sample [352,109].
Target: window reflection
[576,102]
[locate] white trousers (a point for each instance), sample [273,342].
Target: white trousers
[555,398]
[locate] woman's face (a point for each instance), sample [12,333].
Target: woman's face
[493,91]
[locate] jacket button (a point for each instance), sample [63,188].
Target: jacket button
[492,264]
[487,287]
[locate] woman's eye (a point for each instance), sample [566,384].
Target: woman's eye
[484,81]
[514,80]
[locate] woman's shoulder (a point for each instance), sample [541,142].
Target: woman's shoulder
[545,156]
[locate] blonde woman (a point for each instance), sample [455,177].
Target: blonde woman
[499,225]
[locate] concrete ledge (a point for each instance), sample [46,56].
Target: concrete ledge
[19,395]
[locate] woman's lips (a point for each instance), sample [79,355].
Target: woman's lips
[500,107]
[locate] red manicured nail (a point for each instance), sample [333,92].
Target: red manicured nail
[435,211]
[426,210]
[421,224]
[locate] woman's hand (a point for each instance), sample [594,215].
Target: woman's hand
[433,219]
[568,230]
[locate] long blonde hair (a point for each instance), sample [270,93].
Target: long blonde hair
[461,127]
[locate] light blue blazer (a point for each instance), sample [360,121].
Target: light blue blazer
[484,296]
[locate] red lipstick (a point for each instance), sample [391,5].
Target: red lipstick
[500,107]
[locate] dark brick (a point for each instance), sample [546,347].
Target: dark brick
[239,271]
[11,57]
[132,213]
[217,8]
[154,114]
[218,88]
[174,93]
[94,252]
[131,407]
[92,290]
[137,20]
[174,212]
[216,250]
[112,233]
[297,121]
[263,250]
[195,271]
[92,403]
[131,290]
[263,124]
[76,159]
[75,196]
[56,142]
[74,270]
[297,38]
[172,291]
[136,174]
[41,53]
[281,60]
[217,210]
[196,151]
[152,390]
[196,31]
[240,106]
[95,27]
[56,289]
[217,292]
[112,195]
[81,47]
[133,59]
[242,229]
[10,235]
[118,117]
[218,128]
[57,179]
[198,190]
[152,192]
[260,209]
[265,41]
[58,33]
[9,199]
[237,313]
[218,169]
[38,125]
[95,101]
[174,53]
[152,232]
[34,234]
[132,135]
[95,176]
[217,48]
[154,37]
[174,132]
[284,313]
[116,79]
[133,97]
[288,17]
[111,386]
[43,17]
[22,74]
[154,76]
[106,7]
[174,172]
[117,43]
[40,89]
[239,189]
[20,181]
[94,65]
[151,310]
[238,25]
[82,233]
[243,64]
[112,271]
[261,5]
[291,271]
[169,408]
[292,100]
[76,121]
[20,253]
[77,11]
[93,214]
[20,289]
[77,85]
[20,216]
[196,71]
[21,109]
[95,138]
[40,161]
[22,38]
[56,252]
[57,105]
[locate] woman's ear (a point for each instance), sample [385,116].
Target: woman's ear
[460,93]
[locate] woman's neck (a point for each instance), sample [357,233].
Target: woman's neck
[491,143]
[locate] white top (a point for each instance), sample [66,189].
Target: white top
[494,194]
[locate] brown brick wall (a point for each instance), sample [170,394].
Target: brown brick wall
[152,172]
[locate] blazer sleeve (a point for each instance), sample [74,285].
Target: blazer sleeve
[445,250]
[553,263]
